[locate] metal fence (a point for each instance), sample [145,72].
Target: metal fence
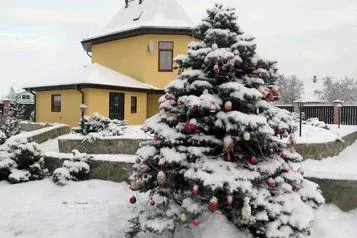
[290,108]
[323,113]
[349,115]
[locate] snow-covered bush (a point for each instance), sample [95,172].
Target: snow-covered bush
[25,157]
[61,176]
[9,125]
[316,123]
[74,169]
[3,137]
[101,126]
[6,165]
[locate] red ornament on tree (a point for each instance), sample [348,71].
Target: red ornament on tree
[286,170]
[229,156]
[216,71]
[253,160]
[132,200]
[152,203]
[158,144]
[275,69]
[196,107]
[195,223]
[271,183]
[284,156]
[278,130]
[229,200]
[228,106]
[296,188]
[191,126]
[213,204]
[195,191]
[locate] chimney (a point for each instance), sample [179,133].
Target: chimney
[315,79]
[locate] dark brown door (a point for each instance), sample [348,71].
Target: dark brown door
[116,106]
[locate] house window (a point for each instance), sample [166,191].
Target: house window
[166,51]
[134,104]
[25,97]
[56,101]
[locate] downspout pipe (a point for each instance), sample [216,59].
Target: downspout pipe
[80,90]
[35,99]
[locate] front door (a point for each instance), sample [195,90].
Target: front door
[116,106]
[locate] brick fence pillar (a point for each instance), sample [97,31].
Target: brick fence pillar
[7,106]
[296,107]
[337,106]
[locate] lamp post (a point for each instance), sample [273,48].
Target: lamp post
[339,108]
[83,108]
[301,105]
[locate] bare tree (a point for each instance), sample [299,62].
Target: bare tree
[344,90]
[291,89]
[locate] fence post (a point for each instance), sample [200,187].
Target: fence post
[336,111]
[7,106]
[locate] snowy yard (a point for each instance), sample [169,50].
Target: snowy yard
[100,209]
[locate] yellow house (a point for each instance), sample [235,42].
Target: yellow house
[132,61]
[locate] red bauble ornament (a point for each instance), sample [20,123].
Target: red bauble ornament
[270,97]
[253,160]
[296,188]
[132,200]
[284,156]
[152,203]
[191,126]
[229,200]
[278,130]
[158,144]
[195,107]
[286,170]
[275,91]
[195,190]
[271,183]
[213,204]
[275,69]
[195,223]
[195,169]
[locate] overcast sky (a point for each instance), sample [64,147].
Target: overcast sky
[40,38]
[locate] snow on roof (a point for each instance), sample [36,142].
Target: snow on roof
[310,87]
[151,14]
[96,74]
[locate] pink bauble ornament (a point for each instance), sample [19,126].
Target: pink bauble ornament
[152,203]
[286,170]
[229,200]
[195,190]
[195,223]
[284,156]
[212,108]
[191,126]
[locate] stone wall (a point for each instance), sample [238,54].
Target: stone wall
[323,150]
[100,146]
[342,193]
[116,171]
[28,126]
[46,134]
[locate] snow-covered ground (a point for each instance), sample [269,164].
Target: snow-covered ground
[100,209]
[343,166]
[312,134]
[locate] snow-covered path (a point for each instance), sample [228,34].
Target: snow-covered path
[343,166]
[100,209]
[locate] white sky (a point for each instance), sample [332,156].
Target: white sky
[40,38]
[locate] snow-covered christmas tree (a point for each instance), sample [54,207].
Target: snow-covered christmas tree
[217,145]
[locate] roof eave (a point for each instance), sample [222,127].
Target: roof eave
[99,86]
[87,43]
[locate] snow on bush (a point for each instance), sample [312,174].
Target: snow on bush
[74,169]
[61,176]
[316,123]
[25,162]
[3,137]
[9,125]
[101,126]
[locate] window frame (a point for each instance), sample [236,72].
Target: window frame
[166,50]
[55,108]
[133,107]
